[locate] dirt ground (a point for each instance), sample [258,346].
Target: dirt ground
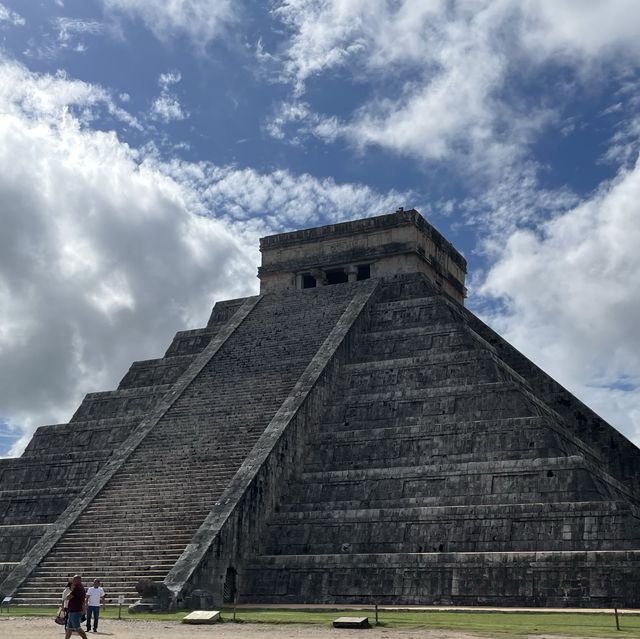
[43,628]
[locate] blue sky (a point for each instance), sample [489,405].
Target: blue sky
[146,145]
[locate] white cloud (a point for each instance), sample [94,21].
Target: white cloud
[298,117]
[13,18]
[199,20]
[569,298]
[166,107]
[165,80]
[583,31]
[70,28]
[441,71]
[95,263]
[106,251]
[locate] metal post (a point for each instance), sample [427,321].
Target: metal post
[6,602]
[615,610]
[376,614]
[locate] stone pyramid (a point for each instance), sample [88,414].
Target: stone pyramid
[351,435]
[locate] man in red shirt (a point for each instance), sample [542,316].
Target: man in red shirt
[76,606]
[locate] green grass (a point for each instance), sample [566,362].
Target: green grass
[504,625]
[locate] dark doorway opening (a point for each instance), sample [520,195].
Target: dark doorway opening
[308,281]
[229,592]
[364,271]
[337,276]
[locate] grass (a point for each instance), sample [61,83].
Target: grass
[505,625]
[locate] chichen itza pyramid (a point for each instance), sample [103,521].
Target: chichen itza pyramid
[353,434]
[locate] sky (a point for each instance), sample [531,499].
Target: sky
[146,145]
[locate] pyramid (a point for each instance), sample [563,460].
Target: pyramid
[353,434]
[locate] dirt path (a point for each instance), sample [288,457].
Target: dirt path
[42,628]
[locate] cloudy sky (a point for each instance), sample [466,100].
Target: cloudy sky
[145,146]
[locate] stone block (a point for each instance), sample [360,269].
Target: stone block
[351,622]
[202,617]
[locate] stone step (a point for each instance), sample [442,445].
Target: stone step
[427,359]
[508,481]
[52,590]
[118,406]
[505,467]
[100,434]
[455,390]
[150,372]
[348,458]
[93,545]
[94,560]
[467,402]
[558,526]
[122,536]
[54,600]
[169,511]
[413,312]
[380,345]
[462,442]
[112,573]
[462,512]
[384,306]
[117,551]
[123,572]
[191,342]
[433,329]
[185,463]
[213,470]
[123,524]
[491,578]
[118,569]
[122,531]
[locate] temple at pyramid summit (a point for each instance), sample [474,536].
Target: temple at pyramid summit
[351,435]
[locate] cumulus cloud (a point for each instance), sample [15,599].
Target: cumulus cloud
[199,20]
[441,70]
[100,255]
[106,250]
[568,298]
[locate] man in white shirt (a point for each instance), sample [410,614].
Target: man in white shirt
[95,598]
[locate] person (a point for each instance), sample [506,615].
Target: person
[77,606]
[65,594]
[95,599]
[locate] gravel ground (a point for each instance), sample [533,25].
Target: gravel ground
[43,628]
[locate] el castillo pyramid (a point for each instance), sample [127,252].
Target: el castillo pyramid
[353,434]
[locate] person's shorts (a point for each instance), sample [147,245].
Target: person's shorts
[74,621]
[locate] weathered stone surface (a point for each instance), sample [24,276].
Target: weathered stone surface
[351,622]
[403,242]
[437,476]
[369,441]
[202,617]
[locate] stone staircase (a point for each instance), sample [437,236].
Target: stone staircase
[146,514]
[61,458]
[434,471]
